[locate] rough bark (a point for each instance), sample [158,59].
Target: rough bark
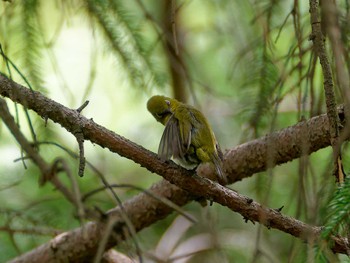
[240,162]
[143,210]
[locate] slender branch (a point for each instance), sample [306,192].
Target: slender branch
[143,210]
[240,162]
[47,172]
[319,43]
[84,247]
[330,16]
[80,139]
[80,245]
[27,147]
[320,49]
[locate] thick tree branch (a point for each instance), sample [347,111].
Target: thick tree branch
[142,209]
[83,242]
[281,146]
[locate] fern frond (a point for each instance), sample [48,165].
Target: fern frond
[142,47]
[31,47]
[121,32]
[338,211]
[262,79]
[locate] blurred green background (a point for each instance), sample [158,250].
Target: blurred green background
[247,65]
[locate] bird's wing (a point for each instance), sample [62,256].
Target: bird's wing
[171,142]
[186,127]
[218,149]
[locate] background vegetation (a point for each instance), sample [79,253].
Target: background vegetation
[249,66]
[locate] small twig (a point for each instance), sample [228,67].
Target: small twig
[108,230]
[46,171]
[80,109]
[124,216]
[109,187]
[36,230]
[61,165]
[320,49]
[26,146]
[149,193]
[23,160]
[330,16]
[173,26]
[282,26]
[9,61]
[80,139]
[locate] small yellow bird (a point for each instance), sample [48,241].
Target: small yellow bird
[187,136]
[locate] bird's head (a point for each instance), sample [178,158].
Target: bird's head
[160,108]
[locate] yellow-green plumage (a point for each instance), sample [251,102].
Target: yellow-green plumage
[187,135]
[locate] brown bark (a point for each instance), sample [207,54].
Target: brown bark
[173,51]
[143,210]
[240,162]
[318,40]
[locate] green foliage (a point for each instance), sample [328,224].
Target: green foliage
[274,81]
[31,44]
[338,219]
[266,78]
[126,41]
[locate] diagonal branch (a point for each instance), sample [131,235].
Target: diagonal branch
[142,209]
[46,170]
[83,242]
[240,162]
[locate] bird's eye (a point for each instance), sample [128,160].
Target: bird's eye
[159,115]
